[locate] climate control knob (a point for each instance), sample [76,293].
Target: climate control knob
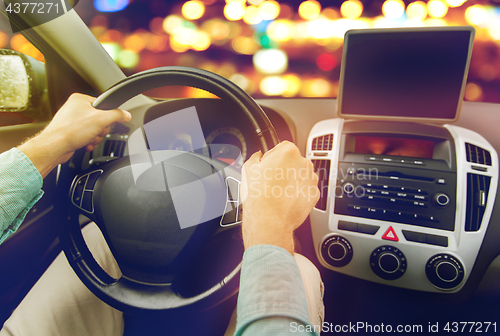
[441,199]
[336,251]
[444,271]
[388,262]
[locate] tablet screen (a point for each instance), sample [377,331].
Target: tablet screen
[404,73]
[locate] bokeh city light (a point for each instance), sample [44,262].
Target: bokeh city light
[274,48]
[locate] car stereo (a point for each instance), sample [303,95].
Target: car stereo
[404,204]
[405,200]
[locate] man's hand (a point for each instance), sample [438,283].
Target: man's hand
[75,125]
[279,189]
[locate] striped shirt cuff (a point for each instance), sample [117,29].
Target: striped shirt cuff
[271,291]
[20,189]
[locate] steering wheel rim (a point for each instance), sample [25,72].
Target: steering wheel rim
[126,294]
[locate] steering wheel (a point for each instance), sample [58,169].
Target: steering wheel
[137,201]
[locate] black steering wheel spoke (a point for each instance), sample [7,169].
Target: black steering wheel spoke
[171,218]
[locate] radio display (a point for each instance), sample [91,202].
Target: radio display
[406,147]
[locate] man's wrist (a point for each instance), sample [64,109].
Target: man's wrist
[280,239]
[43,153]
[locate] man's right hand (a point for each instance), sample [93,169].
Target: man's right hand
[278,190]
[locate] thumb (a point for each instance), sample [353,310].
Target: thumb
[255,158]
[108,117]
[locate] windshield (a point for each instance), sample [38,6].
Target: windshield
[272,48]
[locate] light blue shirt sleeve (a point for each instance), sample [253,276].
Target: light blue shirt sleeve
[272,299]
[20,189]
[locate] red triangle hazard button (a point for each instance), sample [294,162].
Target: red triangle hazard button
[390,234]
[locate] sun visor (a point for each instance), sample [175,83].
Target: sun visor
[410,74]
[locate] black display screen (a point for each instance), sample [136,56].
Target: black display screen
[417,74]
[394,146]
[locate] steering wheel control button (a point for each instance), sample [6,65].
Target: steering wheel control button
[78,192]
[388,262]
[87,203]
[233,189]
[336,251]
[232,215]
[441,199]
[83,191]
[444,271]
[92,180]
[390,234]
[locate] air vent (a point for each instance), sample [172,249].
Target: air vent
[323,143]
[322,169]
[477,196]
[114,148]
[477,154]
[119,129]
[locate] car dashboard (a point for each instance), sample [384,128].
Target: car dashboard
[402,204]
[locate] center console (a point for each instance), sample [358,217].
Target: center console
[404,204]
[406,197]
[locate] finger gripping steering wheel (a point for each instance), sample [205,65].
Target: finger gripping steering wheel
[141,227]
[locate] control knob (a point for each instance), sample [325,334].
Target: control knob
[388,262]
[444,271]
[348,188]
[336,251]
[441,199]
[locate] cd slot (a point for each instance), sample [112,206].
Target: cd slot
[362,174]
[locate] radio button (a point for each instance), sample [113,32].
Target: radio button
[420,197]
[402,214]
[437,240]
[370,185]
[348,226]
[418,191]
[416,237]
[368,229]
[357,208]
